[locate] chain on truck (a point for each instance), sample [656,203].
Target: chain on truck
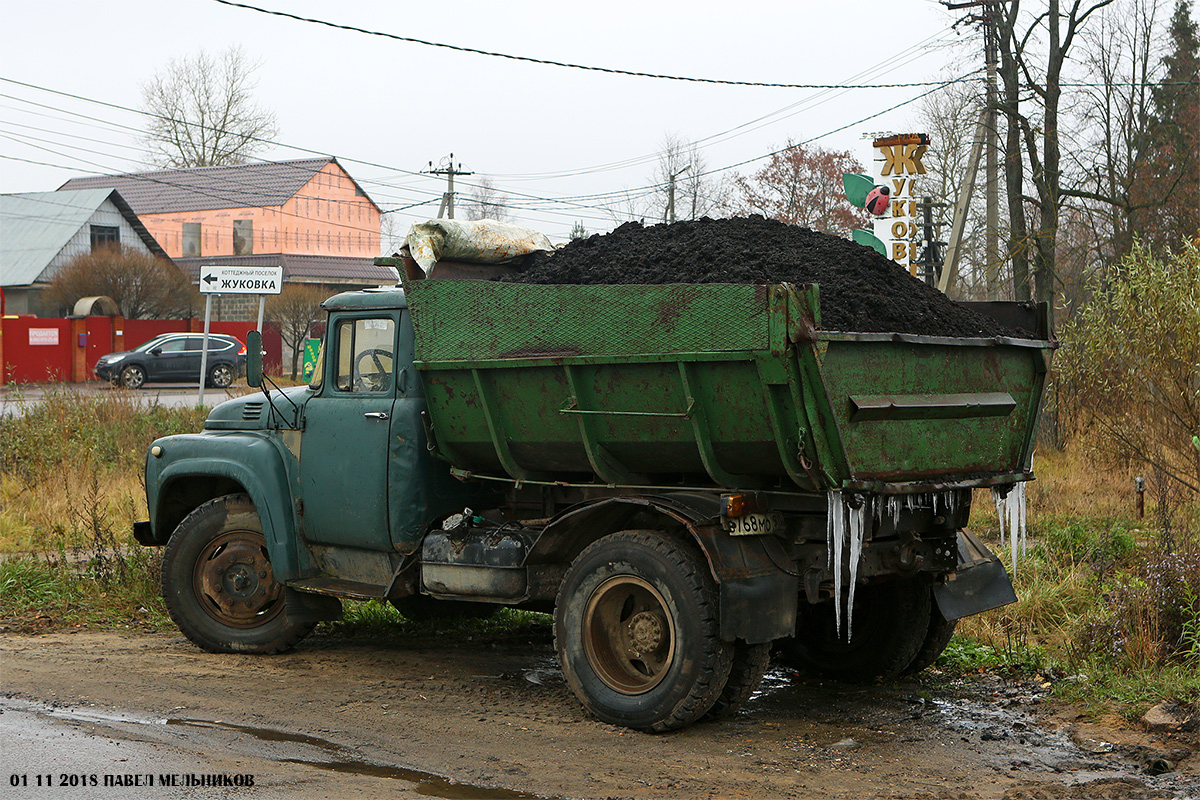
[684,475]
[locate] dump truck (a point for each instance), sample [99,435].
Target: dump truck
[685,476]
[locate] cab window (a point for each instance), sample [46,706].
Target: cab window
[365,355]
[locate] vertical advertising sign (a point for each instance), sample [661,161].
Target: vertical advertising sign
[897,165]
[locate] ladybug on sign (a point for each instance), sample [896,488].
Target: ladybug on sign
[877,200]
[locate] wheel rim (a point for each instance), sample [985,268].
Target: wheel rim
[234,581]
[222,376]
[628,634]
[132,378]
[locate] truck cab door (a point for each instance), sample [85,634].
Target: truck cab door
[344,451]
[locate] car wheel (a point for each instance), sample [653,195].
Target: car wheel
[133,377]
[220,376]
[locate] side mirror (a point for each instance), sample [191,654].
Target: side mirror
[254,359]
[156,351]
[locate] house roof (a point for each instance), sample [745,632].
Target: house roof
[36,226]
[302,268]
[167,191]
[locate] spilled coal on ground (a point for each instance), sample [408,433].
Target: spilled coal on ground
[860,289]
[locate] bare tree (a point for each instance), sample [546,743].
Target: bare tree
[486,203]
[391,234]
[1117,150]
[681,188]
[294,310]
[142,285]
[1033,247]
[949,117]
[202,113]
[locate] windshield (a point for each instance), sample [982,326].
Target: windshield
[318,370]
[144,346]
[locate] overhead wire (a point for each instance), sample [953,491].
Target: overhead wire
[565,64]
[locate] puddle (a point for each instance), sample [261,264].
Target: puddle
[426,783]
[341,758]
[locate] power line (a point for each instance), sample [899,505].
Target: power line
[567,64]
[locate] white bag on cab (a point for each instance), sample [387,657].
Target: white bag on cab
[484,241]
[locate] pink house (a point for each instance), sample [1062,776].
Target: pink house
[308,216]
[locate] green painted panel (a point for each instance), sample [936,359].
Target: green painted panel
[716,383]
[471,320]
[954,423]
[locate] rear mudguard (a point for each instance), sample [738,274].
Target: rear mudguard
[980,583]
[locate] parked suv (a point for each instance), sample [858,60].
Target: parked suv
[175,357]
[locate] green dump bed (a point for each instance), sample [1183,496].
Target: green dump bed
[733,386]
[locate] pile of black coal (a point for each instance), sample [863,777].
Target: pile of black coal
[861,290]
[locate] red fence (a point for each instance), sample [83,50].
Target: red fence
[35,350]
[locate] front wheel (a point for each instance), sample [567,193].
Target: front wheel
[637,632]
[218,584]
[133,377]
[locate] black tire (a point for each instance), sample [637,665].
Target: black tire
[221,376]
[133,377]
[936,639]
[891,622]
[750,663]
[637,632]
[218,584]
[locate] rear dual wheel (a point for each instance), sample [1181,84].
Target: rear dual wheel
[891,625]
[637,631]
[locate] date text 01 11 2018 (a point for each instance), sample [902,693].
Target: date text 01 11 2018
[49,780]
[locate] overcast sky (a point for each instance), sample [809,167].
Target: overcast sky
[547,134]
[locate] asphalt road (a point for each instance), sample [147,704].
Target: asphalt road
[13,399]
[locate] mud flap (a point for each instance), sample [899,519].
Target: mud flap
[757,597]
[981,583]
[760,609]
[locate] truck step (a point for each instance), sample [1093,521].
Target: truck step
[340,588]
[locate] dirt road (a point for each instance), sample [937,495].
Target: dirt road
[490,716]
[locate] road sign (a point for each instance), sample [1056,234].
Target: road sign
[241,280]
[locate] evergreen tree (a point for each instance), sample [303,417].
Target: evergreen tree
[1174,174]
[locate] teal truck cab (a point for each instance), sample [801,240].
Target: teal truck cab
[682,475]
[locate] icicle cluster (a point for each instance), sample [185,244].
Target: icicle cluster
[1010,509]
[846,527]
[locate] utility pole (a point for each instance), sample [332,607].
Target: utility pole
[671,193]
[450,170]
[989,19]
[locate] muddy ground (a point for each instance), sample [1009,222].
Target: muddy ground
[489,716]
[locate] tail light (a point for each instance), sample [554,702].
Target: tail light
[242,352]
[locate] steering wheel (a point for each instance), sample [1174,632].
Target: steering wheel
[378,379]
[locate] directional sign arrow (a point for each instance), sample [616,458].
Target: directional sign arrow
[209,279]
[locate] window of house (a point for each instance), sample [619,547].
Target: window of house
[103,235]
[191,240]
[243,237]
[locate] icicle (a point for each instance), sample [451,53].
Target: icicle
[837,513]
[858,519]
[1011,513]
[1017,501]
[999,501]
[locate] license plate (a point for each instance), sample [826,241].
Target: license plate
[753,524]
